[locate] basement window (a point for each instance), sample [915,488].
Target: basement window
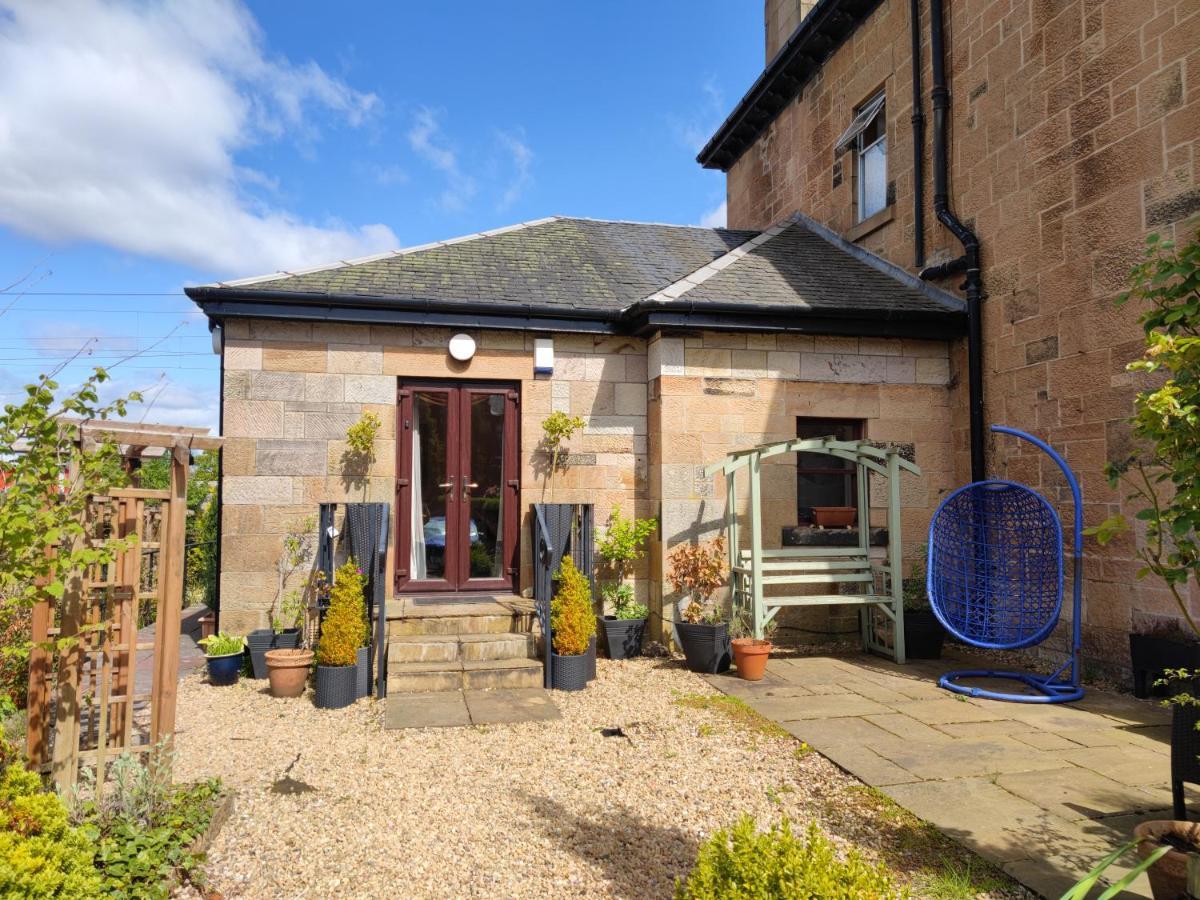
[867,137]
[823,480]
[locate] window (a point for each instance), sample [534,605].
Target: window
[823,480]
[867,137]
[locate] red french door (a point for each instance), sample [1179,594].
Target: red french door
[457,485]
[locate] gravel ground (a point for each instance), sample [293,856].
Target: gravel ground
[329,804]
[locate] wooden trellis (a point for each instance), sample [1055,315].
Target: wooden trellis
[85,705]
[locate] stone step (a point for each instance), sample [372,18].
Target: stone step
[425,677]
[435,648]
[459,615]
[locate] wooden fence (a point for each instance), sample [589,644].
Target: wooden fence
[85,702]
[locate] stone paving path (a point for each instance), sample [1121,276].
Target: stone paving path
[450,709]
[1042,791]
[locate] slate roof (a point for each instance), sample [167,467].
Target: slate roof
[619,277]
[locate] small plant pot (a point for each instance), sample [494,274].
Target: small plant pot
[705,647]
[750,656]
[288,671]
[224,670]
[923,634]
[362,673]
[568,673]
[336,686]
[591,659]
[623,637]
[834,516]
[1149,654]
[259,642]
[1168,876]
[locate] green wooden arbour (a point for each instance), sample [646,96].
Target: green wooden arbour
[754,569]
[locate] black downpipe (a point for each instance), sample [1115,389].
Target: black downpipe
[918,127]
[970,243]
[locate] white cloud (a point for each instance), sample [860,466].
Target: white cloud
[715,217]
[694,129]
[120,124]
[428,142]
[522,161]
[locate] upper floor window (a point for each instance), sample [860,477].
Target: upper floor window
[867,137]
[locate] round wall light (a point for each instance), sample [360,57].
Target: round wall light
[462,347]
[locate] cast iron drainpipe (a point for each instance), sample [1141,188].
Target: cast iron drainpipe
[918,126]
[970,243]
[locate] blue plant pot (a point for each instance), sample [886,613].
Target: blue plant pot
[224,670]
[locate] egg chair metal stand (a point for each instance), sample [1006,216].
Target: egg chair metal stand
[995,578]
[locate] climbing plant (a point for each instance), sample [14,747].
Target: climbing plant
[557,428]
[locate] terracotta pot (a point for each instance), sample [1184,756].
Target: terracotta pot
[750,656]
[288,671]
[1168,876]
[834,516]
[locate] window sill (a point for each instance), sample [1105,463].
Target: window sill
[871,223]
[810,536]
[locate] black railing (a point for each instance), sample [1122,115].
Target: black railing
[558,529]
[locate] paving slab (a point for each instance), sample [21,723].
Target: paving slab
[964,759]
[826,706]
[442,709]
[1126,764]
[907,727]
[951,709]
[857,759]
[1072,793]
[505,707]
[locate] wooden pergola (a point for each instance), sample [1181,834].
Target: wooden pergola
[756,573]
[93,696]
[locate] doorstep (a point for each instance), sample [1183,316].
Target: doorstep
[453,709]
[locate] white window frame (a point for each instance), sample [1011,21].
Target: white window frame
[854,137]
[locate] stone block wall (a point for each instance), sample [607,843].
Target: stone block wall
[716,393]
[1074,133]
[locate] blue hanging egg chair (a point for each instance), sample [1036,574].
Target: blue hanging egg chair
[995,577]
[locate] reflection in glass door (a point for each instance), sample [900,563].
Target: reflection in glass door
[457,487]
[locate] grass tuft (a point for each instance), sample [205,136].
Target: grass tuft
[737,711]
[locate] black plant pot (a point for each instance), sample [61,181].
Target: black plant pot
[362,683]
[623,637]
[288,639]
[705,647]
[1149,654]
[1185,749]
[591,658]
[569,673]
[259,642]
[923,634]
[336,686]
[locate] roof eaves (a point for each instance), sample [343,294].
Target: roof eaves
[815,39]
[404,251]
[934,294]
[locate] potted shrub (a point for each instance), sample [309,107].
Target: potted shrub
[750,654]
[623,544]
[223,654]
[287,607]
[697,571]
[923,633]
[342,634]
[1154,650]
[572,628]
[1165,848]
[287,668]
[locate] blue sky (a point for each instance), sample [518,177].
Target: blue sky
[146,146]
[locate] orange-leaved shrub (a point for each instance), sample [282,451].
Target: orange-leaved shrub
[697,571]
[572,620]
[344,629]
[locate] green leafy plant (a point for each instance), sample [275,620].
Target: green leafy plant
[623,543]
[741,624]
[49,478]
[344,629]
[621,600]
[299,543]
[222,644]
[41,854]
[1083,888]
[557,428]
[745,863]
[1164,474]
[915,590]
[572,622]
[360,448]
[697,571]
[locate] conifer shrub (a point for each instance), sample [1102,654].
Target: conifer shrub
[744,863]
[572,621]
[41,855]
[344,629]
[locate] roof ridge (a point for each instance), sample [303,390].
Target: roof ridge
[656,224]
[387,254]
[697,277]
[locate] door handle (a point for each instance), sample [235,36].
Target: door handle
[467,485]
[448,484]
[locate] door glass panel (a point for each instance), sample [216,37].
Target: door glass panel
[429,484]
[484,487]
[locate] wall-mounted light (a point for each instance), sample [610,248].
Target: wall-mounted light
[462,347]
[216,331]
[543,356]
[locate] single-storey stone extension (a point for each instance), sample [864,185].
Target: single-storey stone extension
[674,345]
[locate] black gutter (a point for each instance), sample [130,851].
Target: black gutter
[970,242]
[817,36]
[918,126]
